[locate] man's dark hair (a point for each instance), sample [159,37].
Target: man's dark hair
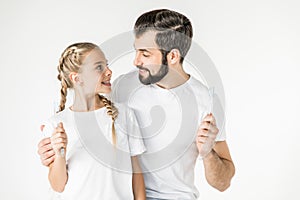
[173,30]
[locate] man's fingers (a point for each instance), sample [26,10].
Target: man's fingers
[207,117]
[211,133]
[44,142]
[214,130]
[201,139]
[205,125]
[207,134]
[42,127]
[203,133]
[45,148]
[47,155]
[48,161]
[210,118]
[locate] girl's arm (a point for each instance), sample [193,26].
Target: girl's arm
[58,174]
[138,184]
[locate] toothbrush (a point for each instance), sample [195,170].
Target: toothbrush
[55,106]
[211,92]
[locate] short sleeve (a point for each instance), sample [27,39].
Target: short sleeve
[135,139]
[219,114]
[211,103]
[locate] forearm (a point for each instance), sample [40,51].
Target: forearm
[138,186]
[58,175]
[218,171]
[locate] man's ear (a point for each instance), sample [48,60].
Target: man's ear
[74,77]
[174,56]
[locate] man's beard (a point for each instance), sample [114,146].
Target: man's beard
[151,79]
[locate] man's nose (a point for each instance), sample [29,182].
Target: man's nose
[137,60]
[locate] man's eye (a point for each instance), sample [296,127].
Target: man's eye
[100,67]
[146,55]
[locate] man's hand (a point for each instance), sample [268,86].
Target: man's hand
[46,152]
[206,135]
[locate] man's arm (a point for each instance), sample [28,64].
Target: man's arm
[219,167]
[138,184]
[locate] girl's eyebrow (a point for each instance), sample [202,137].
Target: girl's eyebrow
[100,62]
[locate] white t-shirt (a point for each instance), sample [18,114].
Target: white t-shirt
[96,168]
[168,120]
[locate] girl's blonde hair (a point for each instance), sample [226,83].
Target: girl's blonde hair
[70,61]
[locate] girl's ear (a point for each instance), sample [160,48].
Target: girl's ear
[174,56]
[74,77]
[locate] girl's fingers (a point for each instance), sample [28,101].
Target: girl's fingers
[59,135]
[58,140]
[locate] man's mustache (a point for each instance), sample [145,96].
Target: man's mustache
[142,68]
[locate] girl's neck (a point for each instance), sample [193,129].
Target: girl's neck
[85,103]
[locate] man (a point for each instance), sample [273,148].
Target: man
[170,105]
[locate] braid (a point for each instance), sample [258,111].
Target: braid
[69,51]
[64,81]
[70,61]
[63,93]
[71,57]
[113,112]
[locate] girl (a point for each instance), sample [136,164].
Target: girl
[77,172]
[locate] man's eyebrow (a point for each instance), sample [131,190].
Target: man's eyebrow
[141,49]
[146,50]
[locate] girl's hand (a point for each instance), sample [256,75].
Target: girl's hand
[59,140]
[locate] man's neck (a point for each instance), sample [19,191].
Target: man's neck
[173,79]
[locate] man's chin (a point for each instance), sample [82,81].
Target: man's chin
[144,80]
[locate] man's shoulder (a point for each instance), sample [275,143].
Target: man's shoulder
[124,85]
[133,75]
[193,82]
[196,89]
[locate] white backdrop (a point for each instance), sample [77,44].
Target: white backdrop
[254,45]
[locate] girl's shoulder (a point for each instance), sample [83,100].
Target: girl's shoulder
[58,117]
[52,122]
